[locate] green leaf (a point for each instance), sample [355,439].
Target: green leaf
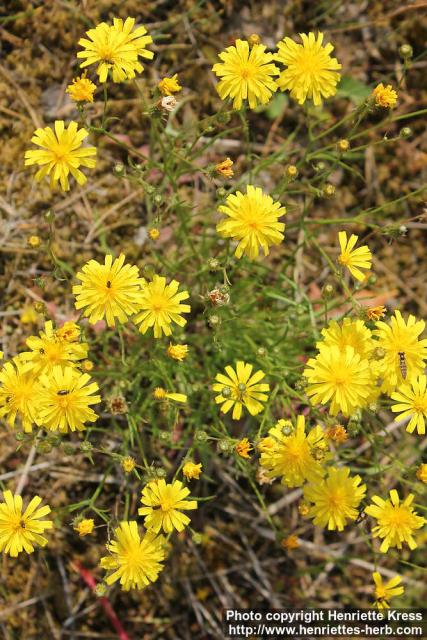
[275,107]
[354,89]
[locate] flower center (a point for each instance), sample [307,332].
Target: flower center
[158,303]
[246,72]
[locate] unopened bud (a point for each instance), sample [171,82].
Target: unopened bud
[406,51]
[254,39]
[406,132]
[291,172]
[328,191]
[343,145]
[119,169]
[214,321]
[213,264]
[201,436]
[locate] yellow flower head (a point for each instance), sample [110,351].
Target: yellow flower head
[168,86]
[49,349]
[110,290]
[116,47]
[412,402]
[19,394]
[354,259]
[61,153]
[342,378]
[161,305]
[34,241]
[177,351]
[81,89]
[396,521]
[64,403]
[384,592]
[349,333]
[290,453]
[311,72]
[154,234]
[385,97]
[335,498]
[84,527]
[70,332]
[28,315]
[401,337]
[252,220]
[87,365]
[289,543]
[161,394]
[21,531]
[376,313]
[192,471]
[239,388]
[128,464]
[163,506]
[422,473]
[135,561]
[224,168]
[337,433]
[246,74]
[243,447]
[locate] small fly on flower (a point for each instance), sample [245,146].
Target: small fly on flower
[63,392]
[402,364]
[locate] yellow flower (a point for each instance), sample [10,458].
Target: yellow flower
[161,394]
[224,168]
[422,473]
[396,521]
[400,337]
[337,433]
[246,74]
[70,332]
[311,72]
[161,306]
[342,378]
[252,219]
[84,527]
[290,453]
[354,259]
[87,365]
[110,290]
[243,447]
[239,388]
[116,47]
[289,543]
[376,313]
[191,470]
[81,89]
[34,241]
[154,234]
[28,315]
[64,403]
[135,561]
[163,506]
[49,350]
[168,86]
[385,97]
[61,153]
[177,351]
[21,531]
[412,401]
[128,464]
[384,592]
[19,394]
[335,498]
[349,333]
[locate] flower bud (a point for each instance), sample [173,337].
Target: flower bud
[226,392]
[44,447]
[86,446]
[406,132]
[49,216]
[214,321]
[201,436]
[213,264]
[221,192]
[100,590]
[225,446]
[328,191]
[406,51]
[119,169]
[34,241]
[328,291]
[291,172]
[254,39]
[261,352]
[343,145]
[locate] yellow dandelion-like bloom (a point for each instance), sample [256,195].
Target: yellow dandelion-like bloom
[116,47]
[311,72]
[81,89]
[61,153]
[19,394]
[290,543]
[335,498]
[34,241]
[354,259]
[376,313]
[192,471]
[163,506]
[168,86]
[128,464]
[110,290]
[342,378]
[21,531]
[224,168]
[400,337]
[246,74]
[385,96]
[85,527]
[396,521]
[161,394]
[64,402]
[161,305]
[422,473]
[384,592]
[252,219]
[135,561]
[349,333]
[412,402]
[337,433]
[51,349]
[69,331]
[290,453]
[154,234]
[177,351]
[239,388]
[243,448]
